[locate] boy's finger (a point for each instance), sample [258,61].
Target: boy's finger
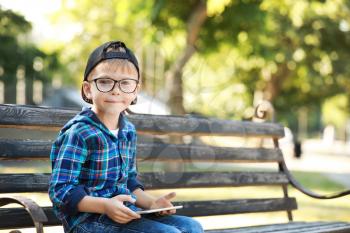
[130,213]
[122,215]
[167,212]
[122,219]
[170,195]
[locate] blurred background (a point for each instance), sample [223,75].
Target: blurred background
[214,58]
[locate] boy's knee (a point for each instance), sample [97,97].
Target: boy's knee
[194,227]
[191,225]
[169,229]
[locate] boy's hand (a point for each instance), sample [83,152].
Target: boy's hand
[164,201]
[117,211]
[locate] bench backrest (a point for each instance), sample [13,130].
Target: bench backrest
[155,145]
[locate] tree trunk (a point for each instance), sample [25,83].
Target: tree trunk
[274,85]
[173,86]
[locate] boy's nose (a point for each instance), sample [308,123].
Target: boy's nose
[116,89]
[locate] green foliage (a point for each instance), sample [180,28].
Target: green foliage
[113,20]
[335,111]
[12,24]
[171,15]
[16,51]
[297,48]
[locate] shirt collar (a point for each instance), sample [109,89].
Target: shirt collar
[122,122]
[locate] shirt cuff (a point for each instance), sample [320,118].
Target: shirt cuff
[73,198]
[133,184]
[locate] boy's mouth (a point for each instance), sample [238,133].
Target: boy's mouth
[114,101]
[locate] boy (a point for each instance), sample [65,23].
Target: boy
[93,186]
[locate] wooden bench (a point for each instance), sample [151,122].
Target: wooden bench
[153,145]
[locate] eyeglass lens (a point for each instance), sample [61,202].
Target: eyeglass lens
[107,85]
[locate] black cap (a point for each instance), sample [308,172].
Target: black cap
[101,54]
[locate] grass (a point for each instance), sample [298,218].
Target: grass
[316,180]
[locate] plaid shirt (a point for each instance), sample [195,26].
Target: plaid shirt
[88,159]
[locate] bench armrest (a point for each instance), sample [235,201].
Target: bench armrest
[36,212]
[261,112]
[310,193]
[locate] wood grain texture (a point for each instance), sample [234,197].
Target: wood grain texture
[291,227]
[40,149]
[14,183]
[44,118]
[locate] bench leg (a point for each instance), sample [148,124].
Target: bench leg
[36,212]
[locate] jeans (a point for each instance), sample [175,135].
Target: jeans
[146,224]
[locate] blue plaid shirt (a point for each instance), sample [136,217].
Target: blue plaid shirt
[88,159]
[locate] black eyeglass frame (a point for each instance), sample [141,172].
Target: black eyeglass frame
[115,81]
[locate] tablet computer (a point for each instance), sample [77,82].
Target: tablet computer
[158,210]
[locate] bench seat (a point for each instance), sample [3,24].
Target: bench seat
[292,227]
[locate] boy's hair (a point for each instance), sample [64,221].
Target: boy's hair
[116,54]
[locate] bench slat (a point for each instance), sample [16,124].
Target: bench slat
[338,227]
[290,227]
[319,228]
[14,116]
[188,152]
[203,126]
[196,208]
[15,183]
[214,179]
[39,149]
[17,115]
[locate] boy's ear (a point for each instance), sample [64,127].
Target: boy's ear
[136,92]
[87,89]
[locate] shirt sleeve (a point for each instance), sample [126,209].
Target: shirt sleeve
[65,191]
[133,182]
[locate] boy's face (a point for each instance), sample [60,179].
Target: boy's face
[114,101]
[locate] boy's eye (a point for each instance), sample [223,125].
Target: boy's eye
[125,82]
[105,81]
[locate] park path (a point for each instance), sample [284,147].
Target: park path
[334,164]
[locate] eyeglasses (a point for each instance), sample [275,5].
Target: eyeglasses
[107,84]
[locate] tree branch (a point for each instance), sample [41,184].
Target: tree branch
[174,75]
